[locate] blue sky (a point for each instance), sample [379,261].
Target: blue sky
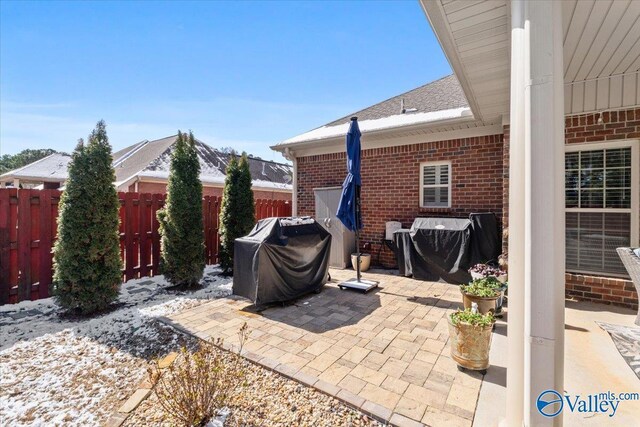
[240,74]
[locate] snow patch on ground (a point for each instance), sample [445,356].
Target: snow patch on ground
[60,371]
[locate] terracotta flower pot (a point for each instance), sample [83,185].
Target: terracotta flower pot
[365,261]
[470,345]
[485,304]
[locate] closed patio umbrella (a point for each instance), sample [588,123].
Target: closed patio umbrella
[349,207]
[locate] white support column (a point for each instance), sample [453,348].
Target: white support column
[515,325]
[544,207]
[536,211]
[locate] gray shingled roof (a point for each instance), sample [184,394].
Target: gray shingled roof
[154,156]
[52,168]
[131,160]
[442,94]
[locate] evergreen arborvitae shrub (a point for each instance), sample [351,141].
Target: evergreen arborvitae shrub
[87,274]
[237,214]
[182,235]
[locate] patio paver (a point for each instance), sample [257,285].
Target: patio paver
[384,352]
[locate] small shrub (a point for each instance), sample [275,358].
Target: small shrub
[471,318]
[199,383]
[484,288]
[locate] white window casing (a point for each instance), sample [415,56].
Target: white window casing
[435,184]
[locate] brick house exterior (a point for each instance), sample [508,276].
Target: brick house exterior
[479,183]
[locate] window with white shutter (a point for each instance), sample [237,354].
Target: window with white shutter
[435,185]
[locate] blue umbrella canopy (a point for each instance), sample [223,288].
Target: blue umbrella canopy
[348,212]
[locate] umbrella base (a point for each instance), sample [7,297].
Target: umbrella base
[362,285]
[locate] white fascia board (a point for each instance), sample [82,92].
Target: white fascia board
[292,149]
[337,145]
[385,124]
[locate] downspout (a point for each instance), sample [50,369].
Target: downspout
[515,327]
[290,155]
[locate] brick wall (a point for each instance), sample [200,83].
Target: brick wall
[606,290]
[615,125]
[391,178]
[480,172]
[156,187]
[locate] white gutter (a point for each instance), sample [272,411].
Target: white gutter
[378,127]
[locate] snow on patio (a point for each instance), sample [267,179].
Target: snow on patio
[58,370]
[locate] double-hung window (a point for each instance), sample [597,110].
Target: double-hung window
[601,183]
[435,185]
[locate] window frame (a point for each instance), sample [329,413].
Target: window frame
[422,184]
[633,210]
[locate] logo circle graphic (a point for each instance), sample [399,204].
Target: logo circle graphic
[546,403]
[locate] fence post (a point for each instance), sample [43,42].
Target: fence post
[143,236]
[5,244]
[45,245]
[128,236]
[24,245]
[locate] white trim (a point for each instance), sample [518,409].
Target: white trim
[448,185]
[389,123]
[336,145]
[327,188]
[601,145]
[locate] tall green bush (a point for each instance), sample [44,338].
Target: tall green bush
[87,274]
[237,216]
[182,235]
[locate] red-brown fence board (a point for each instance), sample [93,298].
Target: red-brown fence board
[28,228]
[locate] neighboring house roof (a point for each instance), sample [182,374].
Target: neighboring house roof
[442,99]
[52,168]
[151,159]
[131,160]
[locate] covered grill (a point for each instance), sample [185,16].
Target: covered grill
[281,259]
[445,248]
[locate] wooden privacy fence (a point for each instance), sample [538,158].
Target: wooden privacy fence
[28,226]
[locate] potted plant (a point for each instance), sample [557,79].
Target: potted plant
[480,271]
[470,337]
[484,292]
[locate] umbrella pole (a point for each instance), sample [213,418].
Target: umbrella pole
[358,255]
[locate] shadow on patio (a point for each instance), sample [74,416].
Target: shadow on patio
[319,313]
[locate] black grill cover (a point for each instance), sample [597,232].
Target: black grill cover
[442,249]
[486,244]
[281,259]
[445,248]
